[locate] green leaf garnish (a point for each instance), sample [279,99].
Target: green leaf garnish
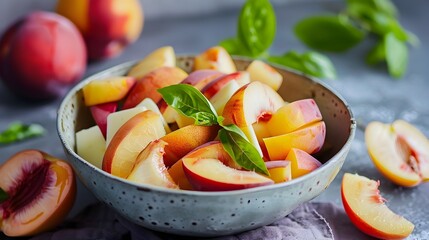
[396,55]
[377,54]
[3,195]
[257,26]
[244,153]
[311,63]
[18,132]
[328,33]
[192,103]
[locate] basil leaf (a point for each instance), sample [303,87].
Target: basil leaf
[3,195]
[328,33]
[235,47]
[18,131]
[190,102]
[257,26]
[396,55]
[234,128]
[243,152]
[310,63]
[377,54]
[383,6]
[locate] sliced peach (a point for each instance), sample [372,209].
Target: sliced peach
[147,86]
[309,139]
[251,103]
[117,119]
[209,174]
[366,209]
[216,58]
[280,170]
[161,57]
[217,84]
[399,151]
[41,191]
[130,140]
[100,112]
[149,167]
[301,162]
[107,90]
[178,175]
[200,78]
[186,139]
[149,104]
[91,145]
[220,99]
[294,115]
[260,71]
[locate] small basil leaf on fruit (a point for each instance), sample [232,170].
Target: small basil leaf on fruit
[18,131]
[190,102]
[257,26]
[328,33]
[396,55]
[244,153]
[234,128]
[3,195]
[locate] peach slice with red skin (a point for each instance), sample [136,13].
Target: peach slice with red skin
[107,90]
[217,84]
[186,139]
[147,86]
[309,139]
[251,103]
[293,116]
[130,139]
[216,58]
[399,151]
[179,177]
[366,209]
[210,168]
[301,162]
[150,168]
[100,112]
[280,170]
[260,71]
[41,191]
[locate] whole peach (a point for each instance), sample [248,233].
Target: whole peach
[41,55]
[107,26]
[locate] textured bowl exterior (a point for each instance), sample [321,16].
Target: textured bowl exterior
[210,214]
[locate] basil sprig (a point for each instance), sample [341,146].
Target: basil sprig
[3,195]
[361,18]
[255,34]
[18,131]
[190,102]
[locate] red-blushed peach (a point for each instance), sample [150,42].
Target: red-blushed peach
[41,190]
[41,55]
[130,140]
[216,58]
[280,170]
[100,112]
[251,103]
[294,115]
[399,151]
[309,139]
[217,84]
[147,86]
[301,162]
[367,210]
[111,89]
[161,57]
[106,25]
[262,72]
[186,139]
[178,175]
[149,167]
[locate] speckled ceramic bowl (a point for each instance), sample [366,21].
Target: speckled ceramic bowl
[212,213]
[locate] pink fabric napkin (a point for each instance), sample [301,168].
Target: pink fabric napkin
[309,221]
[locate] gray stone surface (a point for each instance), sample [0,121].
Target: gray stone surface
[372,94]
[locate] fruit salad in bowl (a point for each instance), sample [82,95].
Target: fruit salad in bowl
[204,145]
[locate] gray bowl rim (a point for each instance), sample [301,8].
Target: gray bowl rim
[128,64]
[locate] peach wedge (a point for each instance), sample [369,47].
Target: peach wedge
[216,58]
[107,90]
[366,209]
[161,57]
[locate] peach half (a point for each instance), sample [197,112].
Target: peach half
[251,103]
[367,210]
[41,190]
[130,139]
[399,151]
